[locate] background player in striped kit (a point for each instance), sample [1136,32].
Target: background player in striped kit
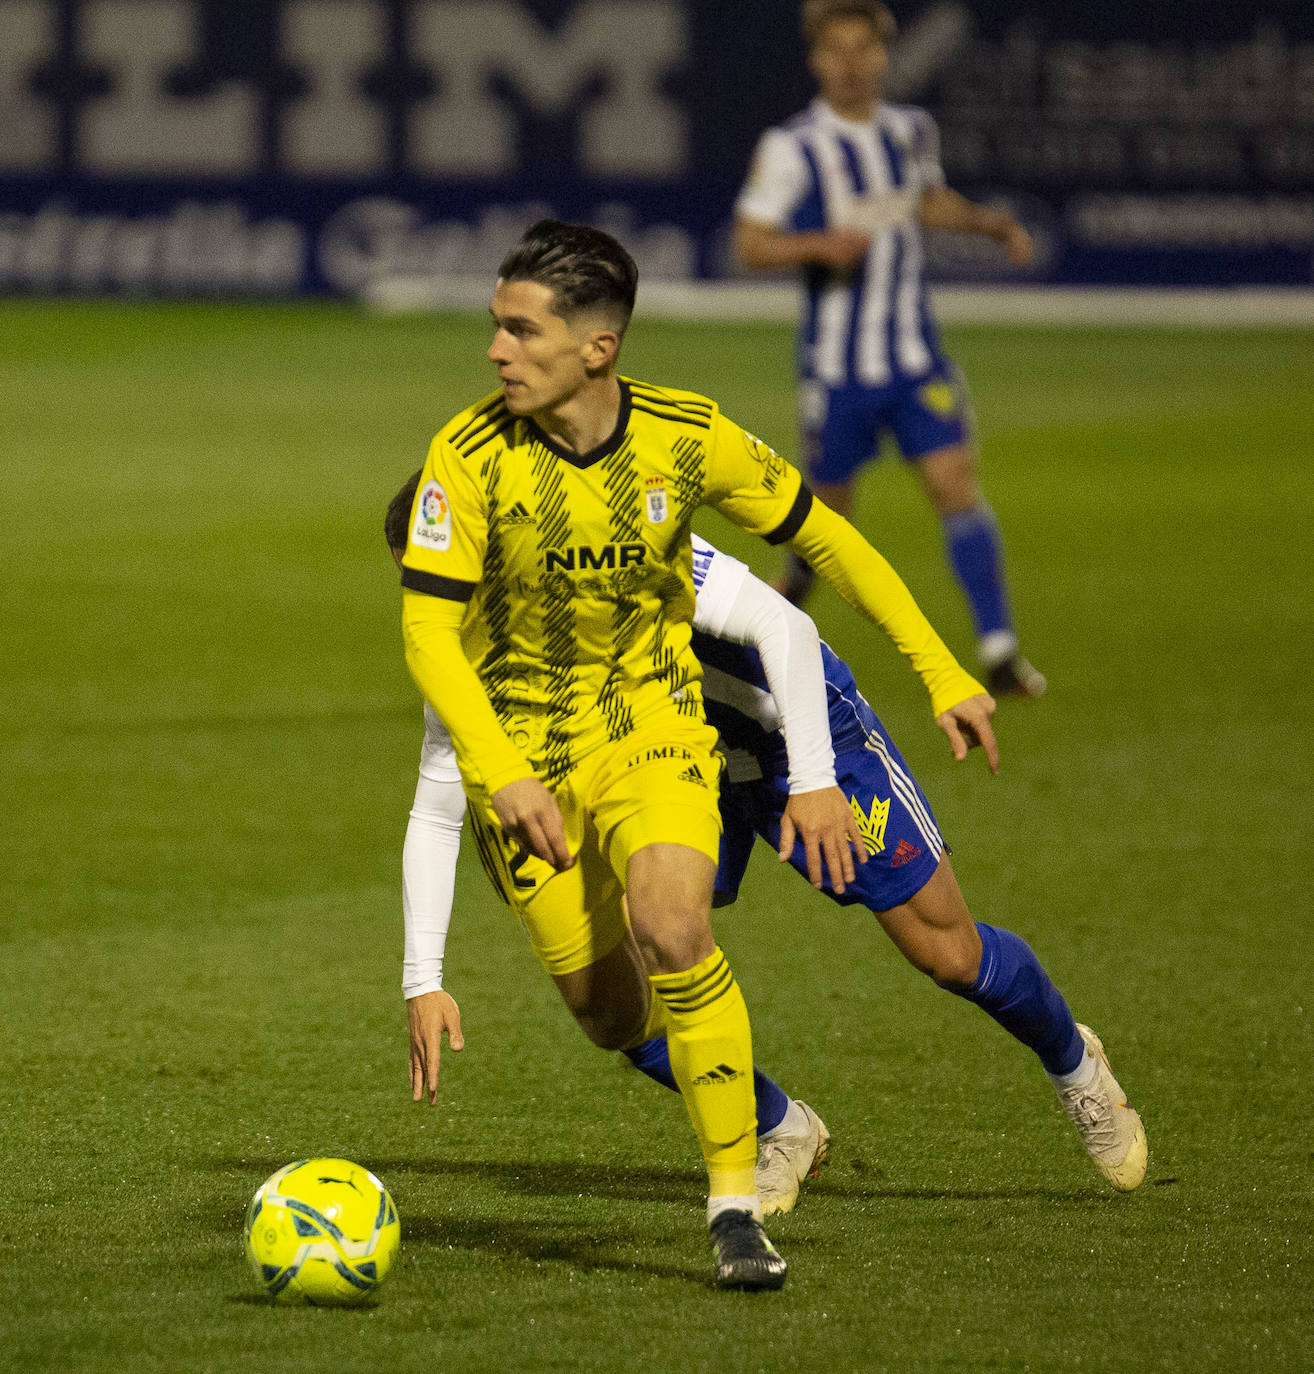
[841,191]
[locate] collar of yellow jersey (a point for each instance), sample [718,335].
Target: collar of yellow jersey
[609,445]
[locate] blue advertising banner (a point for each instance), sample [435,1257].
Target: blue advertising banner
[278,146]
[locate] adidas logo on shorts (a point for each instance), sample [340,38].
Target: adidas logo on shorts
[692,774]
[904,853]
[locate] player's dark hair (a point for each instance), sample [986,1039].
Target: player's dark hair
[584,269]
[397,522]
[818,13]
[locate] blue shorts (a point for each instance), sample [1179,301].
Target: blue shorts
[902,839]
[843,425]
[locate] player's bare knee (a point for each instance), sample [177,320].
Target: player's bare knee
[950,480]
[677,943]
[955,962]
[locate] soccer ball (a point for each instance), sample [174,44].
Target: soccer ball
[321,1231]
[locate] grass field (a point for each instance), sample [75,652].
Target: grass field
[207,752]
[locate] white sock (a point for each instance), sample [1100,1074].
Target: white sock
[1083,1074]
[728,1202]
[794,1122]
[996,646]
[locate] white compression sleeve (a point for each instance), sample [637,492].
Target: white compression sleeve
[433,841]
[788,644]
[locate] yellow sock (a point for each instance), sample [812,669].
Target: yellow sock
[711,1050]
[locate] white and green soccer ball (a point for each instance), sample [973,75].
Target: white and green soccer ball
[321,1231]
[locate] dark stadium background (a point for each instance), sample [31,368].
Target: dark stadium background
[1167,144]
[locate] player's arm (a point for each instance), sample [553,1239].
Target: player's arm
[961,706]
[938,207]
[763,493]
[763,248]
[440,570]
[766,237]
[732,604]
[943,208]
[429,854]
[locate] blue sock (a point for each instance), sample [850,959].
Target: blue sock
[1014,989]
[653,1058]
[976,553]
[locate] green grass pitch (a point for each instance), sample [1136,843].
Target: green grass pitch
[207,752]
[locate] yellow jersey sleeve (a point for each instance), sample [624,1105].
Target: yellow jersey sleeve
[431,628]
[751,484]
[443,564]
[448,534]
[867,582]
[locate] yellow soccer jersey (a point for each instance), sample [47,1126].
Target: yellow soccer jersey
[577,569]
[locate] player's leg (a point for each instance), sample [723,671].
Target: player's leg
[656,808]
[650,1053]
[577,928]
[793,1142]
[993,968]
[611,999]
[931,425]
[999,972]
[711,1050]
[909,884]
[669,887]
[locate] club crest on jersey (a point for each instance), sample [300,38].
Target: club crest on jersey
[433,518]
[654,493]
[871,824]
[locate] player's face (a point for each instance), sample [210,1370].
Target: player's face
[540,359]
[849,62]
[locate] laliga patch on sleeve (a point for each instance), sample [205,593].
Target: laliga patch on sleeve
[433,519]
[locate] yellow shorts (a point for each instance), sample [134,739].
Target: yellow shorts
[658,786]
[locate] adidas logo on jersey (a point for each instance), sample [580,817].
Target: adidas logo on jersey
[692,774]
[518,515]
[723,1073]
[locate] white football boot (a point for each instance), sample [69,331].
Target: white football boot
[1109,1126]
[784,1161]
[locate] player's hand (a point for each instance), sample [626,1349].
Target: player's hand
[842,248]
[1018,245]
[530,815]
[968,724]
[825,822]
[429,1015]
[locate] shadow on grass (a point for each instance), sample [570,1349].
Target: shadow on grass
[663,1183]
[553,1240]
[1069,1197]
[265,1301]
[537,1178]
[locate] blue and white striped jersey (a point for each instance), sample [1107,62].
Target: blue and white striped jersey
[870,327]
